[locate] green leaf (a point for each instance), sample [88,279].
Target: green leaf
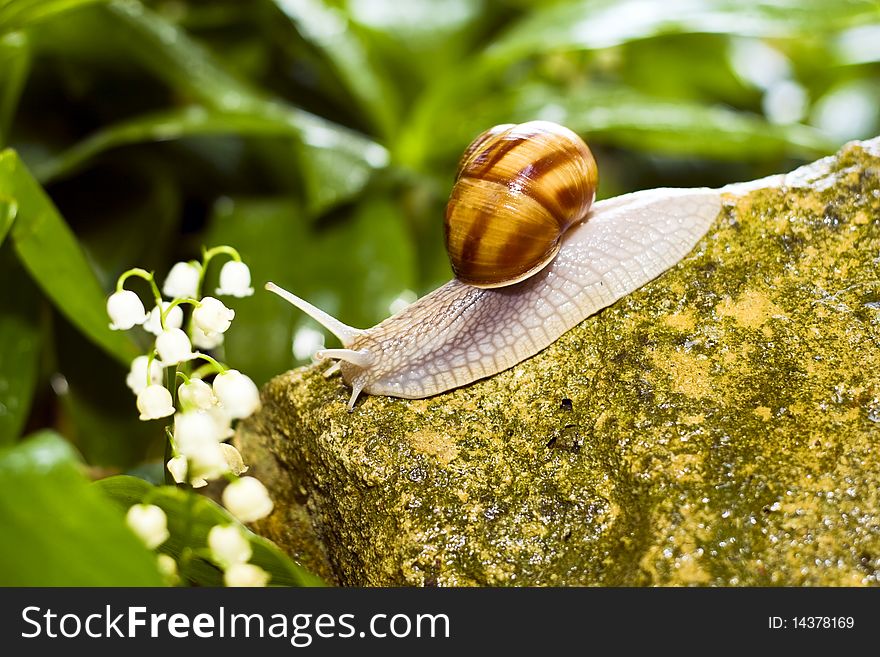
[353,267]
[180,123]
[20,342]
[49,251]
[419,25]
[634,120]
[329,30]
[8,210]
[190,517]
[619,116]
[174,57]
[592,24]
[16,14]
[323,189]
[57,529]
[15,62]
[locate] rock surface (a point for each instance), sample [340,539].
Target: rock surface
[720,426]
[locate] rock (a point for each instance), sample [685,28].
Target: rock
[720,426]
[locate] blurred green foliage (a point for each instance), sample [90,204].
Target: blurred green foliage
[63,532]
[320,139]
[190,517]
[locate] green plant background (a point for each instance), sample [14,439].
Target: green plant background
[320,139]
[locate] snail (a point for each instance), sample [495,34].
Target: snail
[496,313]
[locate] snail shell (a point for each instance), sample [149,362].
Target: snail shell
[518,189]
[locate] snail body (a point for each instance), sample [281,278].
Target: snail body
[458,333]
[518,189]
[524,194]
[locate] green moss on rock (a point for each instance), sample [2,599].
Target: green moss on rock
[722,429]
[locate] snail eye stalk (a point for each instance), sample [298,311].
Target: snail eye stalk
[346,334]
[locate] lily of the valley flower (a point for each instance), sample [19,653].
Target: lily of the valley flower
[167,568]
[237,393]
[182,281]
[126,310]
[235,280]
[247,499]
[174,318]
[228,546]
[233,459]
[173,347]
[245,574]
[149,523]
[137,375]
[223,421]
[196,394]
[154,402]
[196,427]
[211,316]
[206,340]
[197,435]
[177,467]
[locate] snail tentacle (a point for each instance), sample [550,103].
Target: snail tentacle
[346,334]
[357,386]
[361,358]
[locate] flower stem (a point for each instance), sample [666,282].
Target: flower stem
[169,450]
[177,302]
[140,273]
[150,360]
[216,365]
[208,254]
[170,434]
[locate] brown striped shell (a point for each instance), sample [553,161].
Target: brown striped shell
[518,189]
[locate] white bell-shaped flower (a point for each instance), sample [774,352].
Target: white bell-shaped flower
[247,499]
[235,280]
[211,316]
[173,347]
[195,427]
[168,569]
[149,523]
[177,467]
[233,459]
[197,436]
[137,374]
[174,318]
[195,394]
[155,402]
[182,281]
[228,545]
[237,393]
[245,574]
[126,310]
[223,420]
[206,341]
[207,463]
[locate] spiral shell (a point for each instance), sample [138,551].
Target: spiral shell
[518,189]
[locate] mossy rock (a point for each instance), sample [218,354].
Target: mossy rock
[720,426]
